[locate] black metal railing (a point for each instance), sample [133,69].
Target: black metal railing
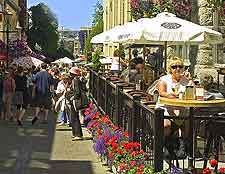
[145,124]
[128,113]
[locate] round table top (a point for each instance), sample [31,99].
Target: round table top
[192,103]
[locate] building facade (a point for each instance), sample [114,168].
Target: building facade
[70,39]
[116,12]
[83,34]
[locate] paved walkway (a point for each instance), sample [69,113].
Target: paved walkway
[45,149]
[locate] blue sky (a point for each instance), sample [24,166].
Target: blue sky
[71,14]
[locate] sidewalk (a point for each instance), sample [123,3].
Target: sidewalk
[45,149]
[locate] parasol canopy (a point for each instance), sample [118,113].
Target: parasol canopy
[27,62]
[166,27]
[64,60]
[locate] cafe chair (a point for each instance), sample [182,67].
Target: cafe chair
[215,135]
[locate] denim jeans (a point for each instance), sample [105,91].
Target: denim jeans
[62,116]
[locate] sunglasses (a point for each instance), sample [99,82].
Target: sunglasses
[177,66]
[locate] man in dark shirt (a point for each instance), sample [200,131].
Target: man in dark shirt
[20,94]
[44,85]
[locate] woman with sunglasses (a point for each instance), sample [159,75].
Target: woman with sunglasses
[169,86]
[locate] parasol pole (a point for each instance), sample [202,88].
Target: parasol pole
[165,55]
[129,59]
[119,59]
[144,47]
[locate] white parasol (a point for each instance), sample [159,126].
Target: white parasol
[64,60]
[27,62]
[166,27]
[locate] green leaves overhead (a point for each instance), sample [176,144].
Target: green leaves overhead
[43,29]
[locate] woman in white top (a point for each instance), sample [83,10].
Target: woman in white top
[169,86]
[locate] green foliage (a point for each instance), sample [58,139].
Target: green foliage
[98,14]
[148,170]
[216,4]
[96,60]
[63,52]
[97,27]
[119,52]
[43,29]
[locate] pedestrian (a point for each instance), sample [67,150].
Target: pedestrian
[44,87]
[62,101]
[20,94]
[75,102]
[9,87]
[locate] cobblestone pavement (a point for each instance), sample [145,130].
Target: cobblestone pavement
[45,149]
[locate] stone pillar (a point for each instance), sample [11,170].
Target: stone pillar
[205,59]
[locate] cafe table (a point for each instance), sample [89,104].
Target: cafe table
[192,104]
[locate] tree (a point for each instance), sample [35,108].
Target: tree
[43,29]
[63,52]
[97,27]
[98,14]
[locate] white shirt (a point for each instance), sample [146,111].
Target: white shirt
[170,85]
[60,87]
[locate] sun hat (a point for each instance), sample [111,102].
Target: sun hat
[75,71]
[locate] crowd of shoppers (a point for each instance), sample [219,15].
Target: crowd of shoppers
[55,88]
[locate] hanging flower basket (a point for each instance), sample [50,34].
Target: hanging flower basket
[143,8]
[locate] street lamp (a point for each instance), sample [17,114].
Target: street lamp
[8,16]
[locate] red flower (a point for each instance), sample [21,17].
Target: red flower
[126,134]
[206,171]
[141,168]
[133,163]
[122,166]
[110,155]
[213,163]
[120,152]
[222,170]
[114,146]
[99,131]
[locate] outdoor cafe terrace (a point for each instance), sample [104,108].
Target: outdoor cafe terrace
[134,111]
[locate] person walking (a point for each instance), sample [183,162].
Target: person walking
[20,94]
[42,99]
[75,102]
[9,87]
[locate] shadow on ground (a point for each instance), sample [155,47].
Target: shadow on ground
[27,150]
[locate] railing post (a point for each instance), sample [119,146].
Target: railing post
[119,88]
[90,83]
[98,89]
[106,96]
[158,139]
[135,118]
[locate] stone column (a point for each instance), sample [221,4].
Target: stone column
[205,59]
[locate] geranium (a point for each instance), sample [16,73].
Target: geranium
[213,163]
[206,171]
[222,170]
[112,142]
